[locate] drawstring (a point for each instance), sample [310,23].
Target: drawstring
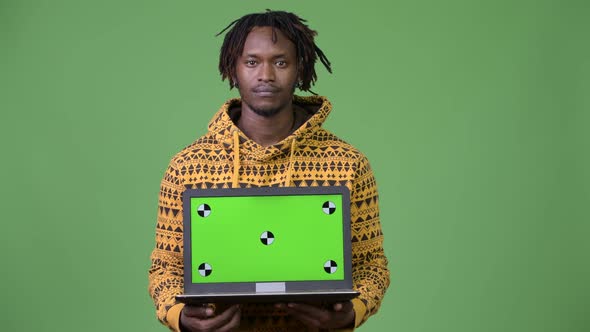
[287,182]
[236,174]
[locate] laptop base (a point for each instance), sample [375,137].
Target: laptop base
[235,298]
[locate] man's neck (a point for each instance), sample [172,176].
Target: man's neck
[267,131]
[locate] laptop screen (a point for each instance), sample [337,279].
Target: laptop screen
[257,235]
[266,238]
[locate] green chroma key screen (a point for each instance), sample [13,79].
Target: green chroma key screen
[267,238]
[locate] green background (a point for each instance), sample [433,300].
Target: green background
[474,114]
[229,238]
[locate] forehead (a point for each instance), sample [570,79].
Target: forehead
[260,42]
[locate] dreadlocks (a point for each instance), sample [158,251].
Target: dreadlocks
[291,25]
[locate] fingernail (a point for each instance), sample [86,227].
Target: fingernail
[209,312]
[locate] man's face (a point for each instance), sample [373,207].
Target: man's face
[266,72]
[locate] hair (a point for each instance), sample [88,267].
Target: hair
[291,25]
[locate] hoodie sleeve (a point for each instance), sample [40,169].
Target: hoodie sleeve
[369,265]
[166,271]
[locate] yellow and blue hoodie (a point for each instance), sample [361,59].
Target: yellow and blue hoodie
[310,156]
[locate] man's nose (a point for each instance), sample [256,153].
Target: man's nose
[267,73]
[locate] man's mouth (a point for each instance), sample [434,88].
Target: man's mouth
[265,90]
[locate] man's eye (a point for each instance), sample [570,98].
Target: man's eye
[251,62]
[281,63]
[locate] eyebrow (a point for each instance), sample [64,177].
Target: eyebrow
[253,55]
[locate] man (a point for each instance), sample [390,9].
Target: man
[269,137]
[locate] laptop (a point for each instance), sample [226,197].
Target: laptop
[270,244]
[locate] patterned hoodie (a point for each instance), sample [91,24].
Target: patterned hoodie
[310,156]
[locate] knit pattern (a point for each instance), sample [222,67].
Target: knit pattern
[319,159]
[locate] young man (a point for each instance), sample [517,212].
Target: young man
[269,137]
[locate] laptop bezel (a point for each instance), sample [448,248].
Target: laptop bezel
[251,287]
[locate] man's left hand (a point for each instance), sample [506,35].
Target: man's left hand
[341,315]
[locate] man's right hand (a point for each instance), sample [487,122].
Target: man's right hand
[202,318]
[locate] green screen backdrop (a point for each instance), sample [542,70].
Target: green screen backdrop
[475,116]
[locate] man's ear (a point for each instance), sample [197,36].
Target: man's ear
[299,69]
[299,82]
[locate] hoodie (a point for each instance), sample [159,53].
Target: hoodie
[310,156]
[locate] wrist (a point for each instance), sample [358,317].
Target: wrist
[173,317]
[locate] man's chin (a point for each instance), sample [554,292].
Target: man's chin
[266,107]
[265,110]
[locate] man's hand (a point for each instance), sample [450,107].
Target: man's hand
[342,315]
[201,318]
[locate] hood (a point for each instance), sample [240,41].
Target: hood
[222,128]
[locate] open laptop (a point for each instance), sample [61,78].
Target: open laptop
[271,244]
